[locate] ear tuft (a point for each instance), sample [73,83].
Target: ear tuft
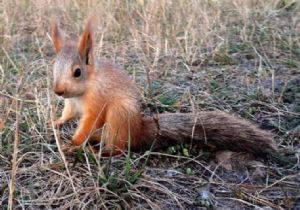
[85,44]
[56,35]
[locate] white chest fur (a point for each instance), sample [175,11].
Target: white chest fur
[76,104]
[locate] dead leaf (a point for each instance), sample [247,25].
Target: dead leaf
[224,159]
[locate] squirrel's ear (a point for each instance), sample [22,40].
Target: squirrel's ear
[85,43]
[56,35]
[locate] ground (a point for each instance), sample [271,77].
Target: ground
[242,57]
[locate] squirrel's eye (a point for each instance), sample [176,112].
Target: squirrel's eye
[77,72]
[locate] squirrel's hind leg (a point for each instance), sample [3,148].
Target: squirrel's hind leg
[116,130]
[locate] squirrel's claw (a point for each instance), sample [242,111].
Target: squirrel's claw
[68,148]
[56,123]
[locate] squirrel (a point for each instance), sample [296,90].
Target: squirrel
[100,93]
[104,96]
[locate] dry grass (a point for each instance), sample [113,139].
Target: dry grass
[239,56]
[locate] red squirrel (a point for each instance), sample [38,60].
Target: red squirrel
[100,93]
[104,96]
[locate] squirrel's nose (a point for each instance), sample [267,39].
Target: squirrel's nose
[58,89]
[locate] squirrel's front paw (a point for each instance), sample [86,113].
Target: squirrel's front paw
[78,139]
[56,123]
[68,148]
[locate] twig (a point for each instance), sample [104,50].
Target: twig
[14,159]
[16,136]
[278,181]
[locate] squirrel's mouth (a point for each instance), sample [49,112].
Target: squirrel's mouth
[69,95]
[63,94]
[66,95]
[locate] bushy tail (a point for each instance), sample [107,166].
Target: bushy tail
[215,129]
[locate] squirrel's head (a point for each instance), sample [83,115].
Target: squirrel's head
[73,63]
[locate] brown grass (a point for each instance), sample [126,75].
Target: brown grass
[238,56]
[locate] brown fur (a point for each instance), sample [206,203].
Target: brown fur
[104,96]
